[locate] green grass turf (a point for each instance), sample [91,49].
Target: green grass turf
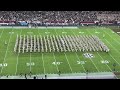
[16,63]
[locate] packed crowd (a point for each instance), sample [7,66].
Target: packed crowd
[59,16]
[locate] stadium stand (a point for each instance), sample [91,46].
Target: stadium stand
[41,18]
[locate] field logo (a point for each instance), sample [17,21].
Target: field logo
[88,55]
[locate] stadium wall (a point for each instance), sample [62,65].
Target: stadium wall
[39,27]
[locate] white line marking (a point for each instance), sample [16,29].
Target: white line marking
[115,49]
[55,61]
[30,56]
[42,57]
[80,60]
[43,64]
[17,58]
[16,64]
[6,50]
[95,65]
[66,56]
[102,57]
[105,63]
[30,62]
[68,63]
[112,38]
[77,54]
[91,60]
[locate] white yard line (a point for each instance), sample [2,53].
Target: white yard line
[30,58]
[110,54]
[68,63]
[43,64]
[114,49]
[54,57]
[101,56]
[80,60]
[6,50]
[112,38]
[55,61]
[76,53]
[90,59]
[103,59]
[95,65]
[30,61]
[16,64]
[66,57]
[17,57]
[42,57]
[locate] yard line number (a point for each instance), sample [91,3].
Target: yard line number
[56,63]
[81,62]
[3,64]
[104,61]
[30,64]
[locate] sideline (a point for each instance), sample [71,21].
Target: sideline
[42,27]
[98,75]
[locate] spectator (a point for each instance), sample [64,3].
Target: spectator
[58,17]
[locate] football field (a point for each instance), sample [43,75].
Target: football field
[12,63]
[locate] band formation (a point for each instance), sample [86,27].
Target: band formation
[58,43]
